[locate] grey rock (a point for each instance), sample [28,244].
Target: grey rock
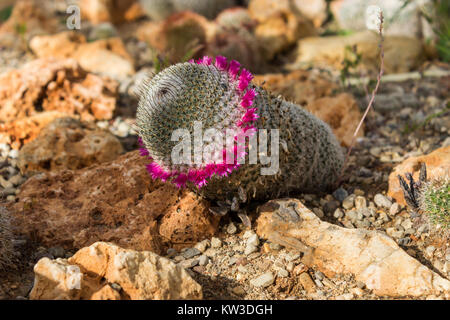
[340,194]
[190,253]
[263,280]
[381,201]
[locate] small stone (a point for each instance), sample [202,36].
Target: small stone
[338,214]
[394,209]
[186,264]
[360,202]
[216,242]
[430,251]
[381,201]
[190,253]
[318,212]
[290,266]
[201,246]
[247,234]
[171,252]
[404,241]
[357,291]
[359,192]
[422,229]
[283,273]
[306,282]
[263,280]
[348,202]
[319,275]
[340,194]
[249,249]
[407,224]
[203,260]
[239,291]
[253,240]
[231,228]
[57,252]
[351,215]
[178,258]
[345,296]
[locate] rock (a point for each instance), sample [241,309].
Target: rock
[231,228]
[190,253]
[115,201]
[360,202]
[19,132]
[97,11]
[105,56]
[400,19]
[437,162]
[203,260]
[305,280]
[141,275]
[349,202]
[341,113]
[338,214]
[401,54]
[68,144]
[253,240]
[54,85]
[371,256]
[314,10]
[263,280]
[216,242]
[249,249]
[278,25]
[381,201]
[394,209]
[340,194]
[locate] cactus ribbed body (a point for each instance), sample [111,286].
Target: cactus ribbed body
[310,158]
[434,200]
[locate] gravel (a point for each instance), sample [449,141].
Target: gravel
[263,280]
[381,201]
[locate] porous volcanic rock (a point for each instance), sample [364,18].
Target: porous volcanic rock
[437,163]
[104,271]
[371,256]
[19,132]
[68,143]
[115,202]
[54,85]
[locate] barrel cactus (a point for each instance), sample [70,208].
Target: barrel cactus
[220,95]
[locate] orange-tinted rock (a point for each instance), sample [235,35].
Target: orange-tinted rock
[279,26]
[19,132]
[91,273]
[115,11]
[341,113]
[53,85]
[106,56]
[438,165]
[67,143]
[115,201]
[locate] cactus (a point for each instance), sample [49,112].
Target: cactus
[220,95]
[161,9]
[6,247]
[434,201]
